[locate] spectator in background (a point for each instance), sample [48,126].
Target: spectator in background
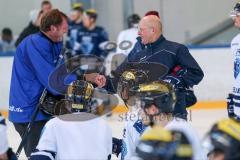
[129,35]
[33,26]
[35,18]
[75,24]
[46,6]
[90,36]
[7,42]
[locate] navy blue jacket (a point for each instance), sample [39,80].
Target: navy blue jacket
[170,54]
[36,57]
[88,41]
[164,52]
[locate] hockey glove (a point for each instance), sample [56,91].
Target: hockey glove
[175,81]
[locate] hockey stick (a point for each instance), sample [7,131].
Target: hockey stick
[29,126]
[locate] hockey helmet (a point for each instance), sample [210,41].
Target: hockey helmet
[159,93]
[160,144]
[79,94]
[224,137]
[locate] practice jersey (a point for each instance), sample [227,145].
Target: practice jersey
[71,137]
[35,59]
[88,41]
[235,48]
[134,129]
[126,35]
[73,29]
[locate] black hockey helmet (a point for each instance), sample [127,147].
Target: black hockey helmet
[159,93]
[224,137]
[79,94]
[160,144]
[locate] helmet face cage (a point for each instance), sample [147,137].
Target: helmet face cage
[128,80]
[163,101]
[80,94]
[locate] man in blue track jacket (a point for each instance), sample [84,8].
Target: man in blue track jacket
[35,58]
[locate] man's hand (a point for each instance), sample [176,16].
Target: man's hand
[99,80]
[175,81]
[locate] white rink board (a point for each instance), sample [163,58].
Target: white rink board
[216,63]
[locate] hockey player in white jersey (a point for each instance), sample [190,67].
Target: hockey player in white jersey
[157,104]
[127,38]
[80,135]
[234,96]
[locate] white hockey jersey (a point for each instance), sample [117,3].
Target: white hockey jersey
[235,48]
[69,137]
[127,35]
[134,130]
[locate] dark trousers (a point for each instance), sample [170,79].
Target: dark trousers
[33,136]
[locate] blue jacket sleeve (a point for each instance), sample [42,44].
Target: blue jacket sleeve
[42,62]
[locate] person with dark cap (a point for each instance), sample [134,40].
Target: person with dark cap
[90,36]
[129,35]
[75,24]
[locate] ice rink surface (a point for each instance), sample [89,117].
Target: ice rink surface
[201,120]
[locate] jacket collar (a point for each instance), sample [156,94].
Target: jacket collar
[157,42]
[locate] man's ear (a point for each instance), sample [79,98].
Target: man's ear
[53,28]
[153,29]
